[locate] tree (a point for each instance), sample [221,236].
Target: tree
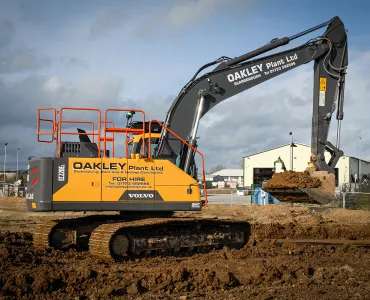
[215,169]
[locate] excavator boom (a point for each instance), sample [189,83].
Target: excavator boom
[233,76]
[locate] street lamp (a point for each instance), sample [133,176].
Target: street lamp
[17,164]
[4,169]
[359,159]
[291,150]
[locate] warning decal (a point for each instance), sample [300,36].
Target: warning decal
[322,84]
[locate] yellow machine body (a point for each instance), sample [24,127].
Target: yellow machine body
[120,179]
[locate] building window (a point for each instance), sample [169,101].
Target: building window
[262,174]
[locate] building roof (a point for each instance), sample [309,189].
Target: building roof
[300,144]
[228,172]
[295,143]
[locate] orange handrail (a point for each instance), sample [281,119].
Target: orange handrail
[57,128]
[60,123]
[39,119]
[186,143]
[123,130]
[109,139]
[81,122]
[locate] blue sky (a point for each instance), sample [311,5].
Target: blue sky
[141,53]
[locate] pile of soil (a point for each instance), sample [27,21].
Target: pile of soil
[292,179]
[261,270]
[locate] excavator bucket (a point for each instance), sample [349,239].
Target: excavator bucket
[311,187]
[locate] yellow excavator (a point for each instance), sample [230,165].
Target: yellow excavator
[155,172]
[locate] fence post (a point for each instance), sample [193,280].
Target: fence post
[344,199]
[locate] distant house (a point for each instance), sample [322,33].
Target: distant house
[235,175]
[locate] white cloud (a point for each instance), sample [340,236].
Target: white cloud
[191,12]
[187,13]
[7,31]
[51,84]
[19,60]
[18,116]
[114,19]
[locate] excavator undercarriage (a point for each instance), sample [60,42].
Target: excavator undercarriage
[113,239]
[158,175]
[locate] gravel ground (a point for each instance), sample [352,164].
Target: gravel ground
[260,270]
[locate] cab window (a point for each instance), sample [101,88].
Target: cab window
[130,147]
[153,144]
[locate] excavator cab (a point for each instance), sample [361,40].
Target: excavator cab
[135,144]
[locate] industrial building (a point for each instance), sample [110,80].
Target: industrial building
[260,166]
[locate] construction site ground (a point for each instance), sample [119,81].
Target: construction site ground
[263,269]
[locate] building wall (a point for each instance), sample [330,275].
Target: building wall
[343,169]
[301,155]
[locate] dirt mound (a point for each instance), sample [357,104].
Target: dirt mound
[260,270]
[297,231]
[282,214]
[292,179]
[345,216]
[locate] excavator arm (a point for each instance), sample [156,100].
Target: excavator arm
[233,76]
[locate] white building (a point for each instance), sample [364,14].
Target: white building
[235,175]
[8,175]
[259,166]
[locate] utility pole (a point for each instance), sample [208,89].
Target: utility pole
[4,169]
[359,160]
[291,151]
[17,164]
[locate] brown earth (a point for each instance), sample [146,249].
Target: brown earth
[260,270]
[292,179]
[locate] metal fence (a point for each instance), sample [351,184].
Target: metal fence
[354,196]
[12,191]
[355,200]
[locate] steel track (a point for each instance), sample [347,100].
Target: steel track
[42,233]
[105,234]
[164,235]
